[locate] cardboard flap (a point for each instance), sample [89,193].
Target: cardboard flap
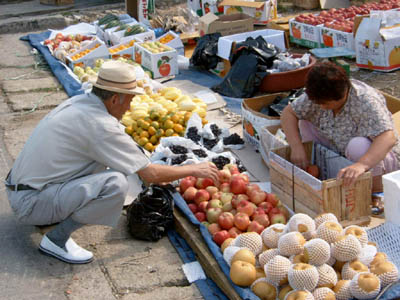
[209,18]
[242,3]
[391,32]
[233,17]
[369,29]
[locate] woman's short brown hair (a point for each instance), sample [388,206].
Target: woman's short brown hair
[326,81]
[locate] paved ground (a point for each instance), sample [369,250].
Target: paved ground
[124,268]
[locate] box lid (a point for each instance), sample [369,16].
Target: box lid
[209,18]
[242,3]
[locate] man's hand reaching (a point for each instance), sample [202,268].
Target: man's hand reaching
[206,170]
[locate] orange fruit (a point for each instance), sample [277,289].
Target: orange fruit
[153,140]
[159,133]
[168,124]
[144,134]
[169,132]
[149,147]
[178,128]
[151,130]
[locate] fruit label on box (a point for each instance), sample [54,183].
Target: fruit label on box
[336,38]
[304,34]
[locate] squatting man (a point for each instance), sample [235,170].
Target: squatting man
[73,169]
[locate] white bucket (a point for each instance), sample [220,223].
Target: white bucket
[391,191]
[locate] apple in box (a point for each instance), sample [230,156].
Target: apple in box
[262,219]
[245,207]
[224,176]
[252,187]
[200,216]
[226,198]
[220,237]
[266,206]
[203,183]
[186,183]
[238,185]
[212,190]
[257,197]
[193,207]
[214,203]
[213,214]
[234,232]
[241,221]
[233,169]
[254,226]
[227,207]
[225,220]
[201,195]
[225,188]
[277,216]
[273,199]
[217,195]
[190,194]
[213,228]
[203,206]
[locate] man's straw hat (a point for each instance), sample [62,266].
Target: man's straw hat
[119,77]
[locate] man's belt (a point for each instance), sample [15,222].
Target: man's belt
[19,187]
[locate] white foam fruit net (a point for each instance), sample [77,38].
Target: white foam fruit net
[387,238]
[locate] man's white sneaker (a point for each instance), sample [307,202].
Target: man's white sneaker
[72,253]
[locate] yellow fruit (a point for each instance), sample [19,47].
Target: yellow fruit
[155,124]
[155,116]
[169,132]
[175,134]
[139,122]
[168,124]
[145,125]
[151,130]
[160,133]
[144,134]
[149,147]
[139,131]
[134,125]
[148,119]
[178,128]
[143,141]
[175,118]
[204,121]
[129,130]
[154,140]
[187,116]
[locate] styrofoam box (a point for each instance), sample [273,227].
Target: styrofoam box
[88,60]
[276,37]
[119,38]
[176,43]
[391,191]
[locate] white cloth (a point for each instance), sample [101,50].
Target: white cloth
[73,140]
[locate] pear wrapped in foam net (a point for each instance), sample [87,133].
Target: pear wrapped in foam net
[277,270]
[303,277]
[230,252]
[329,231]
[359,232]
[367,254]
[291,243]
[303,294]
[325,217]
[317,251]
[346,248]
[324,293]
[266,256]
[303,224]
[271,235]
[342,290]
[327,276]
[250,240]
[386,271]
[365,286]
[351,268]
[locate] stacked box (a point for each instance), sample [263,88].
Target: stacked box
[304,34]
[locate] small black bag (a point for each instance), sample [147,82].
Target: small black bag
[151,213]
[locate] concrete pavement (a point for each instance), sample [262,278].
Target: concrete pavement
[123,268]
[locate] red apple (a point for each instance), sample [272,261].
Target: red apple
[241,221]
[226,198]
[242,197]
[200,216]
[203,183]
[233,168]
[278,218]
[214,203]
[251,188]
[186,183]
[202,206]
[245,177]
[224,176]
[254,226]
[238,185]
[245,207]
[257,212]
[233,212]
[262,219]
[213,214]
[274,211]
[266,206]
[190,194]
[212,190]
[225,220]
[234,232]
[225,188]
[59,36]
[216,195]
[213,228]
[193,207]
[201,195]
[220,236]
[273,199]
[227,207]
[257,197]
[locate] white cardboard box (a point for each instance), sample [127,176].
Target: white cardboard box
[304,34]
[159,64]
[118,37]
[176,43]
[377,47]
[261,11]
[128,53]
[336,38]
[276,37]
[100,51]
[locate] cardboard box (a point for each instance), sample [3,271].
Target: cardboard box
[117,37]
[276,37]
[270,140]
[98,50]
[377,47]
[261,11]
[225,24]
[128,51]
[253,120]
[303,193]
[281,24]
[336,38]
[175,43]
[304,34]
[158,64]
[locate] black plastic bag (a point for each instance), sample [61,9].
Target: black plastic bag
[276,108]
[242,79]
[205,54]
[151,213]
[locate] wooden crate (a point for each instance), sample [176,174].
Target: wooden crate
[304,193]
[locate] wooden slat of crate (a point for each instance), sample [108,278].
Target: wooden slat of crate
[195,240]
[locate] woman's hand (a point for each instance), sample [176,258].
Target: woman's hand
[351,173]
[206,170]
[298,157]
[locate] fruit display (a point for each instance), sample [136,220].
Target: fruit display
[166,39]
[122,47]
[64,45]
[232,205]
[162,114]
[82,53]
[306,259]
[156,47]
